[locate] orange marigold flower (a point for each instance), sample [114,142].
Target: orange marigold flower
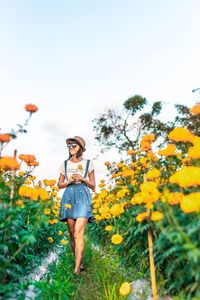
[191,203]
[125,289]
[60,232]
[19,202]
[27,157]
[49,182]
[131,151]
[116,239]
[145,146]
[9,163]
[107,164]
[195,110]
[33,164]
[148,138]
[31,108]
[5,138]
[156,216]
[181,135]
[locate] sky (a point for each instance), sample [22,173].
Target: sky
[76,59]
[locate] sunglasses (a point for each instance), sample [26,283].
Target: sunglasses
[72,145]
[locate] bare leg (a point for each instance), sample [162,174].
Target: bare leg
[71,230]
[79,242]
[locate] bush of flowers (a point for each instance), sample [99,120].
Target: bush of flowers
[158,192]
[28,215]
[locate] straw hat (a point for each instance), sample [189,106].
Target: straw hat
[79,140]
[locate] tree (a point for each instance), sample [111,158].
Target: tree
[124,129]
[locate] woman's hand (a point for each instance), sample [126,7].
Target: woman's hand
[78,177]
[71,180]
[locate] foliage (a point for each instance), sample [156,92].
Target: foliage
[159,192]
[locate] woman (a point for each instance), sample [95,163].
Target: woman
[77,177]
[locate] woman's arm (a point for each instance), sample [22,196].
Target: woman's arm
[62,183]
[91,182]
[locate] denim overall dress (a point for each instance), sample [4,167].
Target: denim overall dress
[79,197]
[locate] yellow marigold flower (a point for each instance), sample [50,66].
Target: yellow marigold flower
[98,217]
[21,173]
[196,140]
[186,160]
[186,177]
[125,289]
[191,203]
[9,163]
[137,199]
[43,194]
[154,173]
[156,216]
[34,194]
[108,228]
[174,198]
[63,242]
[106,216]
[55,221]
[101,185]
[27,181]
[142,216]
[95,211]
[116,210]
[133,182]
[118,182]
[68,205]
[128,173]
[47,211]
[131,151]
[195,110]
[31,108]
[170,150]
[194,152]
[25,191]
[104,210]
[181,135]
[60,232]
[50,239]
[102,180]
[116,239]
[148,186]
[55,188]
[122,193]
[120,165]
[5,138]
[151,156]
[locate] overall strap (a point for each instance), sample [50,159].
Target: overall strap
[65,166]
[86,168]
